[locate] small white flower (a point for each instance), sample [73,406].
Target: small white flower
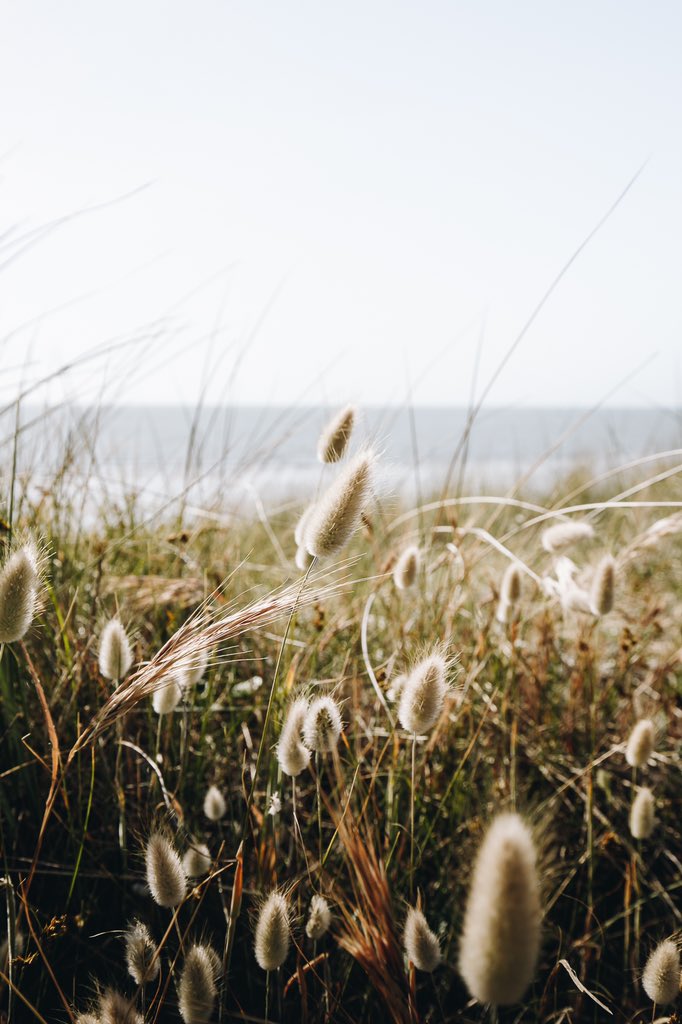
[275,805]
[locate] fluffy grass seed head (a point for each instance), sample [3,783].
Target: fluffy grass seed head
[272,935]
[643,814]
[166,697]
[500,939]
[422,947]
[292,754]
[113,1008]
[322,725]
[564,535]
[141,960]
[300,528]
[603,586]
[640,745]
[196,861]
[319,918]
[407,568]
[115,653]
[423,694]
[661,977]
[165,875]
[303,558]
[194,670]
[510,590]
[334,439]
[336,516]
[19,583]
[214,804]
[197,989]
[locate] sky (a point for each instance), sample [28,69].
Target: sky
[305,202]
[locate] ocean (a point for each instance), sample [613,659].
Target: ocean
[237,455]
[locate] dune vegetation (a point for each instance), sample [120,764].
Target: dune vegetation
[346,761]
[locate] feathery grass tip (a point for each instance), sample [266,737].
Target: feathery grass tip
[423,694]
[661,977]
[19,582]
[115,654]
[322,725]
[422,947]
[500,940]
[334,439]
[336,516]
[165,874]
[272,934]
[197,988]
[141,960]
[640,745]
[292,754]
[319,918]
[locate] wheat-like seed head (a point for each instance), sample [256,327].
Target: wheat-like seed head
[421,945]
[334,439]
[500,940]
[165,875]
[661,977]
[272,935]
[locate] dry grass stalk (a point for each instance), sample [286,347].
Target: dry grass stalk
[368,930]
[199,634]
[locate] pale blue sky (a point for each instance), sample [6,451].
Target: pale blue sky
[388,183]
